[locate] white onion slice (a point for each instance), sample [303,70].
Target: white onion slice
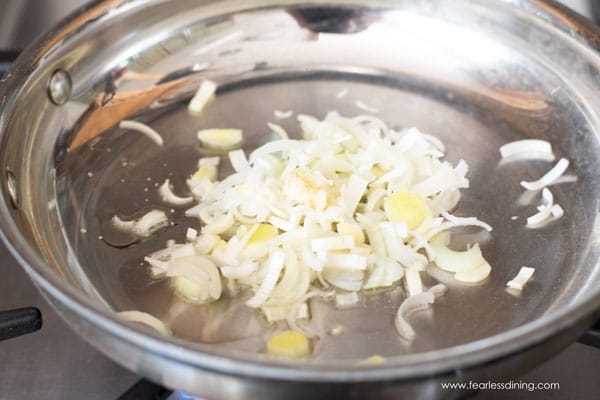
[179,251]
[454,261]
[349,280]
[167,195]
[191,234]
[274,147]
[206,242]
[144,226]
[547,197]
[544,214]
[294,283]
[546,211]
[281,223]
[447,178]
[341,94]
[435,142]
[220,138]
[346,299]
[557,211]
[202,271]
[549,178]
[363,106]
[336,330]
[399,230]
[525,273]
[352,193]
[310,259]
[375,198]
[220,224]
[454,222]
[239,271]
[419,302]
[385,273]
[146,319]
[529,148]
[376,240]
[352,262]
[438,290]
[280,313]
[343,242]
[283,114]
[474,275]
[274,266]
[158,267]
[466,221]
[412,304]
[279,130]
[204,95]
[238,160]
[142,128]
[414,285]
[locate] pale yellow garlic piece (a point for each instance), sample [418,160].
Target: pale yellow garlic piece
[373,360]
[258,244]
[407,207]
[289,344]
[263,233]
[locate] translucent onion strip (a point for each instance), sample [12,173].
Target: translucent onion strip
[240,271]
[346,299]
[283,114]
[341,94]
[549,178]
[146,319]
[353,192]
[145,226]
[238,161]
[527,148]
[525,273]
[142,128]
[204,95]
[474,275]
[274,266]
[546,211]
[416,303]
[363,106]
[166,194]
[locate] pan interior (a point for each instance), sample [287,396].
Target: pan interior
[460,76]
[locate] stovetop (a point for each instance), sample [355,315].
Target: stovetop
[55,363]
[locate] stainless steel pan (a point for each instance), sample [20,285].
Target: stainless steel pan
[476,73]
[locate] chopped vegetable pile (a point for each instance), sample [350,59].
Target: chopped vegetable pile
[351,206]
